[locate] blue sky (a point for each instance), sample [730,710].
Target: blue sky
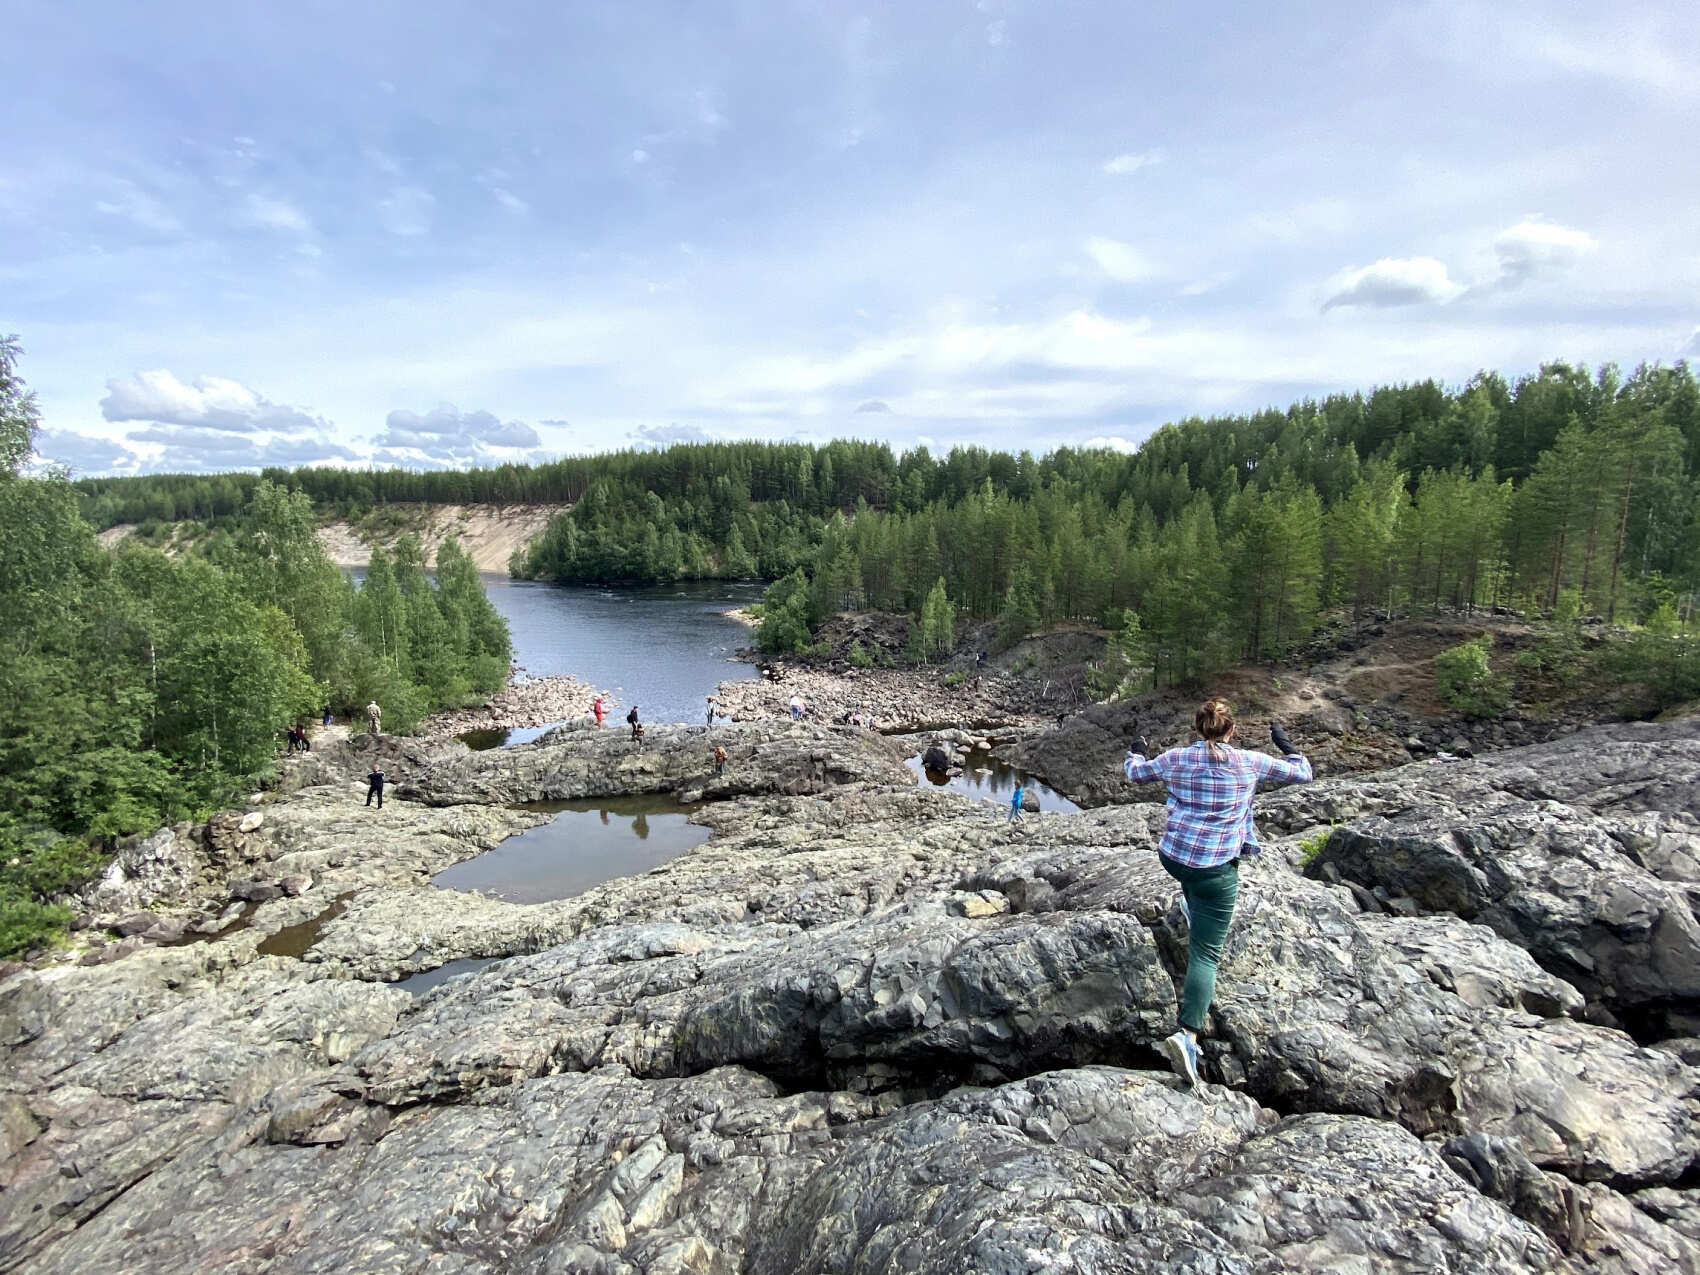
[429,234]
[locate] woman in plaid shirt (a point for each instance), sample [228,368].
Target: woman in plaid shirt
[1209,827]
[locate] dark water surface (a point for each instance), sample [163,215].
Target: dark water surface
[998,780]
[662,647]
[424,981]
[588,842]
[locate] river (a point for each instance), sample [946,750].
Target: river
[661,647]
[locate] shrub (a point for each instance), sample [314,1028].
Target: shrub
[858,657]
[955,679]
[24,923]
[1311,846]
[1467,682]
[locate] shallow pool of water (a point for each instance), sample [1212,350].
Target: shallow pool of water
[983,775]
[294,940]
[503,737]
[424,981]
[589,841]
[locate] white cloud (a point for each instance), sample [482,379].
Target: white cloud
[1198,287]
[84,453]
[406,211]
[276,214]
[640,156]
[1534,249]
[1394,281]
[997,33]
[1121,261]
[874,405]
[140,208]
[1692,348]
[447,434]
[507,199]
[1114,442]
[1132,162]
[658,436]
[212,402]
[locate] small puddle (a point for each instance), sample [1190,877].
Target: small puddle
[589,841]
[241,922]
[425,980]
[983,775]
[503,736]
[294,940]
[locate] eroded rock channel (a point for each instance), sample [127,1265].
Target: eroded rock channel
[870,1026]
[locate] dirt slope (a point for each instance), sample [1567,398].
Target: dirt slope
[490,533]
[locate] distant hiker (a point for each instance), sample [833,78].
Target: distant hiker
[796,708]
[374,715]
[710,711]
[1209,827]
[301,737]
[632,721]
[596,712]
[290,732]
[1015,801]
[375,786]
[719,759]
[327,715]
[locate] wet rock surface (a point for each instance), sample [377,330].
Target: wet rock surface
[874,1027]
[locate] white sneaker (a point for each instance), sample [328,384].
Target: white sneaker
[1182,1055]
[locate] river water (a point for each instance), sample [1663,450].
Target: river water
[661,647]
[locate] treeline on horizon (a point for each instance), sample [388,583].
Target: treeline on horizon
[1227,537]
[1223,539]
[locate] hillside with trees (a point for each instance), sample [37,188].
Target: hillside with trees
[1219,540]
[138,688]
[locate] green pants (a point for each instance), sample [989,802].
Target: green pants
[1210,895]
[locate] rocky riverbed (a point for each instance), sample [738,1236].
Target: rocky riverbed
[526,702]
[869,1026]
[899,701]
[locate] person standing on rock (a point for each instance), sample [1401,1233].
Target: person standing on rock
[796,708]
[710,712]
[1211,786]
[596,712]
[327,715]
[301,737]
[374,715]
[1015,801]
[632,721]
[375,786]
[719,760]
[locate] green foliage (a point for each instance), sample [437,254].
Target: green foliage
[1467,682]
[1311,848]
[18,415]
[953,680]
[784,625]
[1663,658]
[1020,614]
[26,923]
[137,687]
[858,657]
[938,622]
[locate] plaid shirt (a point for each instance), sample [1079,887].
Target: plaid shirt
[1210,798]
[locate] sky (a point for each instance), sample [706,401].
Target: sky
[440,234]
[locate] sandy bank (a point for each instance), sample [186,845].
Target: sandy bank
[490,533]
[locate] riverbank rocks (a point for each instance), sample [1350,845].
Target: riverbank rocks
[788,758]
[870,1026]
[900,700]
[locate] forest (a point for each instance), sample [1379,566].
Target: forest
[1225,538]
[138,688]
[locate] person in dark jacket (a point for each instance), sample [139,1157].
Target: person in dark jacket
[375,786]
[632,721]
